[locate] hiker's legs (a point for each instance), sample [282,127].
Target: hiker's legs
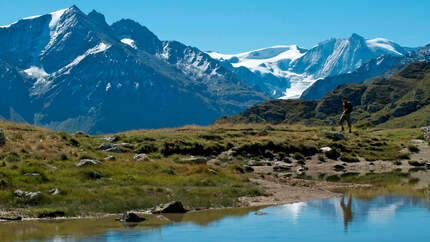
[348,120]
[342,119]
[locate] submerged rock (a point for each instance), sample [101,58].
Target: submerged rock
[131,217]
[88,162]
[27,195]
[172,207]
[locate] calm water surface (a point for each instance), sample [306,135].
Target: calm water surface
[385,218]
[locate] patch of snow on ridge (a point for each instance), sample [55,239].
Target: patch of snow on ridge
[36,72]
[55,17]
[32,17]
[129,42]
[383,44]
[263,60]
[42,84]
[97,49]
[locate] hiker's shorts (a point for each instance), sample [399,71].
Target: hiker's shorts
[346,117]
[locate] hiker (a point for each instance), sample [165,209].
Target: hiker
[346,114]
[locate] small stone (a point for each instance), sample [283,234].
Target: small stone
[212,171]
[248,168]
[194,160]
[111,138]
[326,149]
[339,167]
[31,174]
[127,145]
[142,157]
[110,158]
[105,146]
[115,149]
[88,162]
[333,135]
[54,191]
[27,195]
[281,166]
[94,175]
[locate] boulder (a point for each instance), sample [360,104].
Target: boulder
[110,148]
[339,167]
[115,149]
[127,145]
[94,175]
[54,191]
[111,138]
[333,135]
[194,160]
[110,158]
[326,149]
[281,166]
[54,214]
[10,219]
[212,171]
[88,162]
[426,132]
[105,146]
[332,154]
[248,168]
[172,207]
[2,137]
[131,218]
[32,174]
[27,195]
[142,157]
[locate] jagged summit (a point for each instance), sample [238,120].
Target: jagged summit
[75,72]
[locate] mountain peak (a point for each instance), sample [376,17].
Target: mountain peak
[97,17]
[356,37]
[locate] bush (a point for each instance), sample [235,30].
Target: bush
[299,156]
[321,158]
[349,158]
[413,148]
[332,154]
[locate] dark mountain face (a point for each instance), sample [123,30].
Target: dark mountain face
[402,100]
[72,71]
[382,66]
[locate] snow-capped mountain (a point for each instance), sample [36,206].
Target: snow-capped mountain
[382,66]
[72,71]
[301,67]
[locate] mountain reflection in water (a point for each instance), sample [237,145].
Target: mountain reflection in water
[385,218]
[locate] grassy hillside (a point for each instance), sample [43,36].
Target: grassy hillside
[400,101]
[35,159]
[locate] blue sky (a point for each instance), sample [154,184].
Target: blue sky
[232,26]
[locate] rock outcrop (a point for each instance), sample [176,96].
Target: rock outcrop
[88,162]
[172,207]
